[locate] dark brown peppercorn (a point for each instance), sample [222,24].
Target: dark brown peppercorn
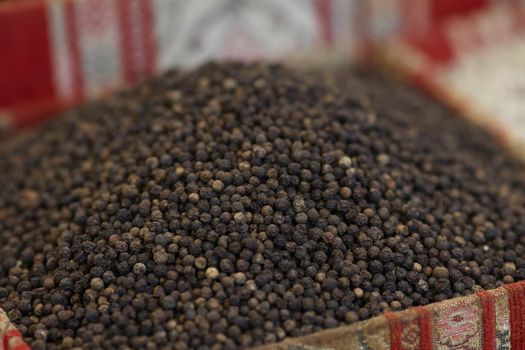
[239,204]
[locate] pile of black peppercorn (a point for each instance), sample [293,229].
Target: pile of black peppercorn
[236,205]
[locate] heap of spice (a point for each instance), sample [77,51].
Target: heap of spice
[239,204]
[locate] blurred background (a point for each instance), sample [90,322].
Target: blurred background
[468,53]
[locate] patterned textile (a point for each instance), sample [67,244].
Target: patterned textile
[10,337]
[487,320]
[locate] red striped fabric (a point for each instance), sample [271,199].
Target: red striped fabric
[425,331]
[442,9]
[137,47]
[324,16]
[74,47]
[12,333]
[148,36]
[489,321]
[394,325]
[126,46]
[517,315]
[25,60]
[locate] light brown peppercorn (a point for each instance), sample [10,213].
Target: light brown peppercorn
[358,292]
[440,272]
[97,283]
[200,263]
[217,185]
[48,283]
[212,273]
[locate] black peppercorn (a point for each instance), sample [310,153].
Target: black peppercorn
[239,204]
